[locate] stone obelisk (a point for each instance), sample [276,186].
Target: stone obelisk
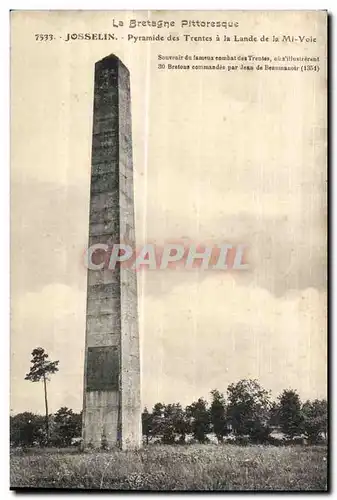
[111,402]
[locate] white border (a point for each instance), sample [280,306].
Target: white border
[329,5]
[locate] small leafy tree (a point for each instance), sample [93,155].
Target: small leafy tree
[168,428]
[41,369]
[199,417]
[248,409]
[181,423]
[290,416]
[315,419]
[26,429]
[218,415]
[174,424]
[67,425]
[157,419]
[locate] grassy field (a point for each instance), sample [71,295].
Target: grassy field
[191,467]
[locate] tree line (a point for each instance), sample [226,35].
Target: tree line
[29,429]
[246,413]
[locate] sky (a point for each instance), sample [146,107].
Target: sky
[229,157]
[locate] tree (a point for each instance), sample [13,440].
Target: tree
[168,428]
[157,419]
[290,417]
[67,425]
[315,419]
[41,369]
[181,423]
[26,429]
[248,409]
[218,415]
[174,424]
[199,417]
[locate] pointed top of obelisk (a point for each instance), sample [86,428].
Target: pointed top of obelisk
[110,61]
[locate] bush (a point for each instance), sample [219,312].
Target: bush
[315,418]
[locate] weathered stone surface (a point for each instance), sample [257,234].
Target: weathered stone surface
[103,291]
[98,305]
[112,409]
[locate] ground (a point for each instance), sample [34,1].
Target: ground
[164,467]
